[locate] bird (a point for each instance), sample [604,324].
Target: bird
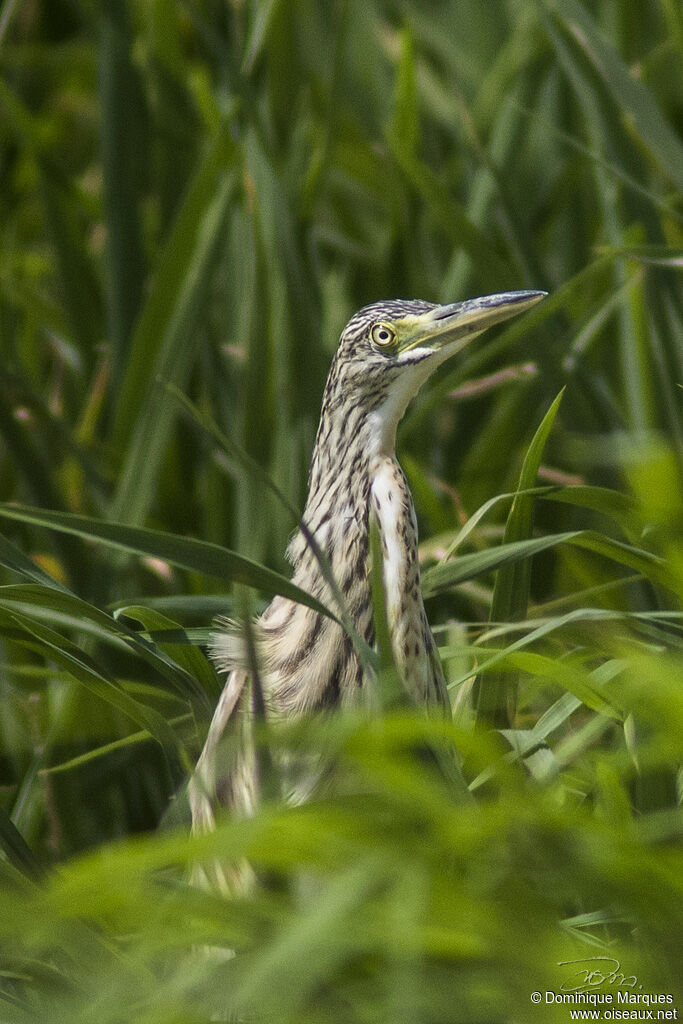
[307,662]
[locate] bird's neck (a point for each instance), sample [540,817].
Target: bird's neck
[352,447]
[355,472]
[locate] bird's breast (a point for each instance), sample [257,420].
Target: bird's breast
[412,642]
[393,510]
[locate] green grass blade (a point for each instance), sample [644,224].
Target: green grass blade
[82,760]
[405,121]
[511,591]
[123,152]
[166,340]
[14,558]
[632,97]
[16,849]
[495,698]
[441,577]
[184,552]
[611,503]
[174,278]
[263,14]
[68,611]
[562,674]
[187,656]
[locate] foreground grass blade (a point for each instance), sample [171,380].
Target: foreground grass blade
[184,673]
[195,664]
[614,504]
[184,552]
[571,679]
[467,567]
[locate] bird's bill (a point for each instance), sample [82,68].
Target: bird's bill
[447,329]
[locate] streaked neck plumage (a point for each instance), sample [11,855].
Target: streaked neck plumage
[353,469]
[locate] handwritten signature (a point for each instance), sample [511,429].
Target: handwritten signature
[596,971]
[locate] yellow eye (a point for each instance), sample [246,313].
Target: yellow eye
[382,335]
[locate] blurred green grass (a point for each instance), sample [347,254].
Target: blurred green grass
[195,197]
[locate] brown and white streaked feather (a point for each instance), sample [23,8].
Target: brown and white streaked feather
[306,661]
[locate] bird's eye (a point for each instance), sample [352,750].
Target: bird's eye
[382,335]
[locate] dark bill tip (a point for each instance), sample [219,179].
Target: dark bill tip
[501,300]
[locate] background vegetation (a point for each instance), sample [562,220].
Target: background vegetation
[195,197]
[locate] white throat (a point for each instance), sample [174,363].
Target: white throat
[382,423]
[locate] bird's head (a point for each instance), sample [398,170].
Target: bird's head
[389,349]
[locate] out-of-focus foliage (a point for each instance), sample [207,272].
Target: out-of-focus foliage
[195,197]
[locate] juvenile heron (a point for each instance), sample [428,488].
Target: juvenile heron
[307,661]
